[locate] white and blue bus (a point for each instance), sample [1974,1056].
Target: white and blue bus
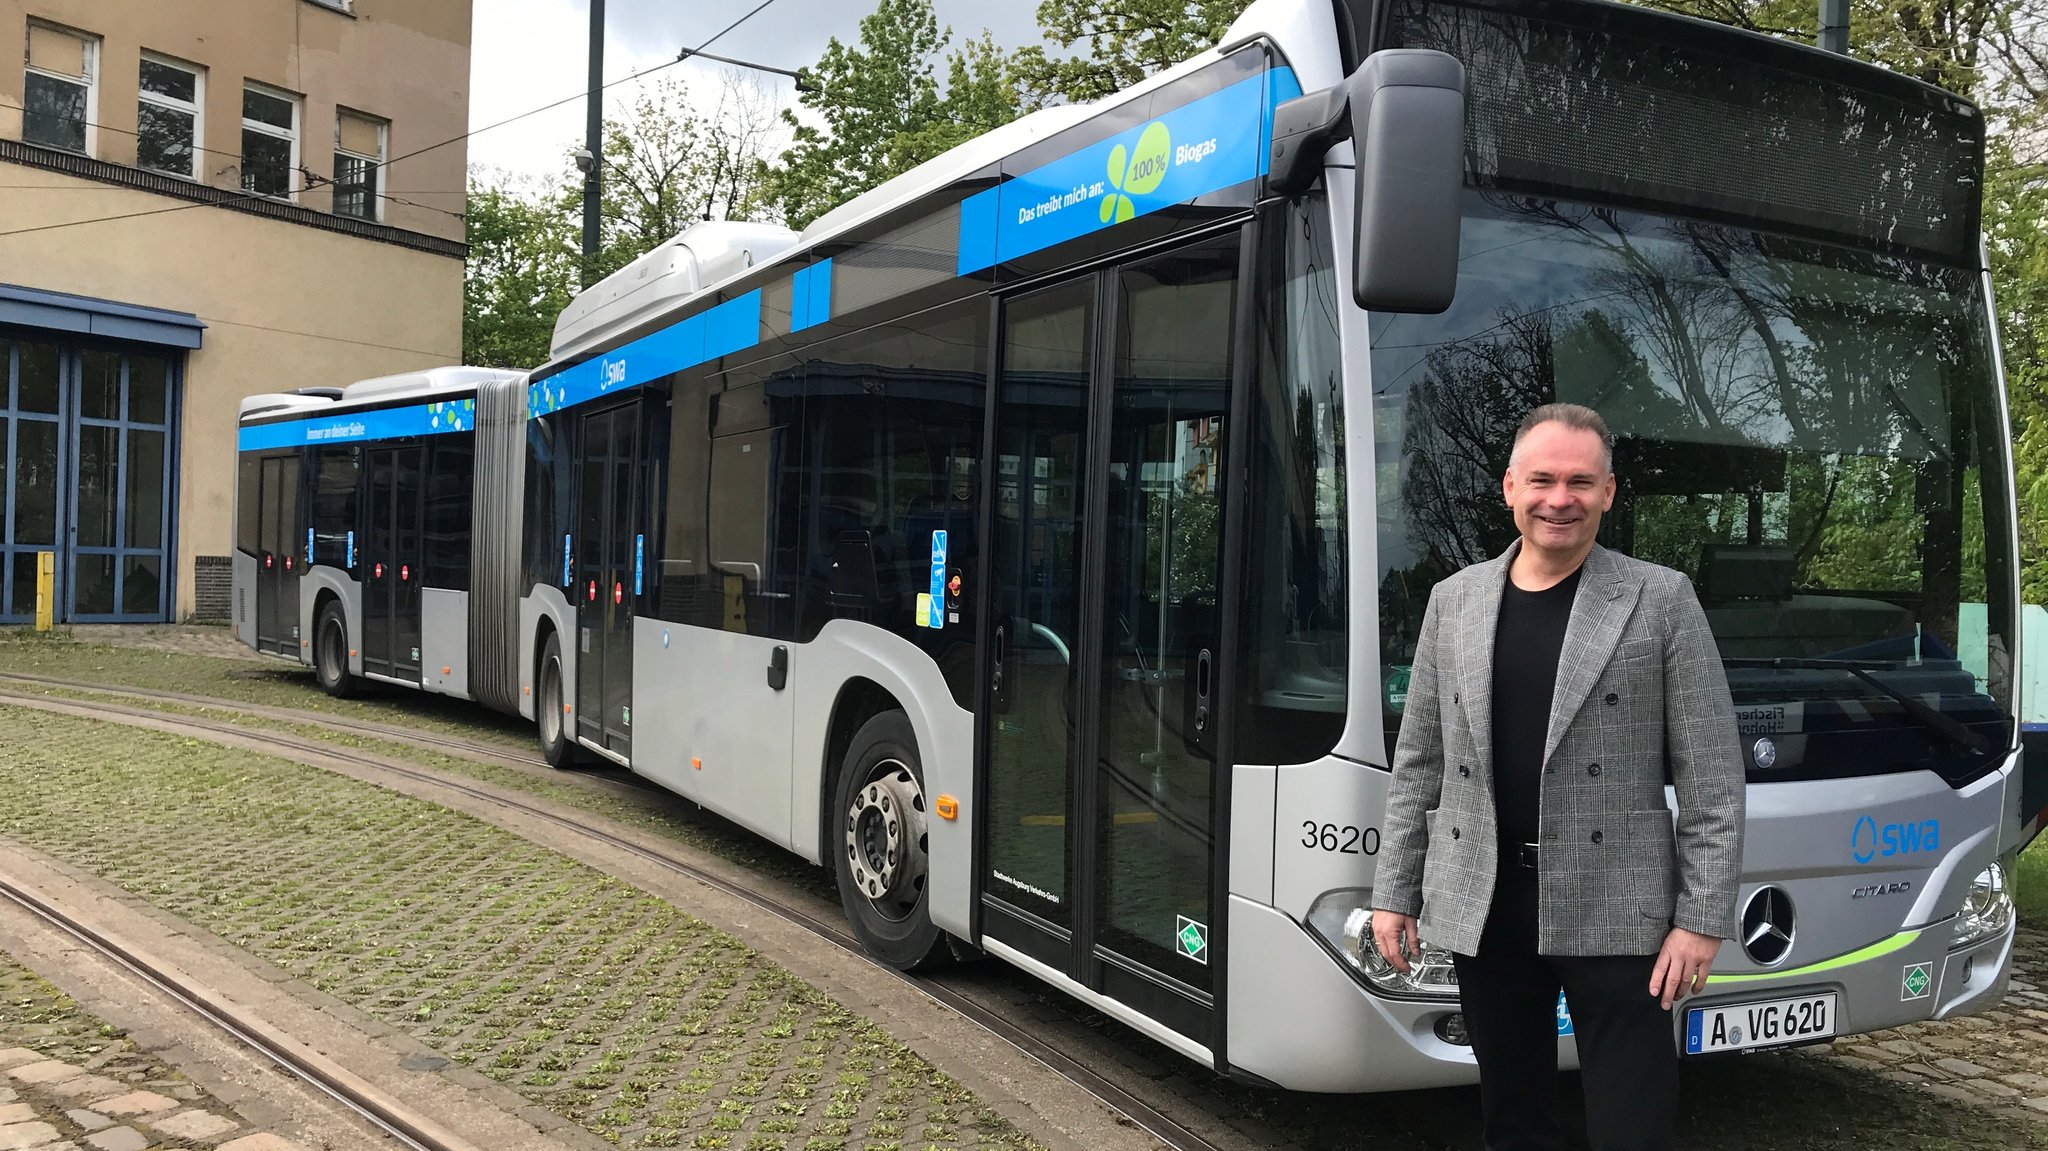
[1040,539]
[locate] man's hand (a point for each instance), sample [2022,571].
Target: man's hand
[1682,965]
[1388,930]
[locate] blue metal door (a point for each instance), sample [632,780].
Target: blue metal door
[86,473]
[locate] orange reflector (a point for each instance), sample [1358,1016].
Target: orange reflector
[351,653]
[947,807]
[696,764]
[446,671]
[526,691]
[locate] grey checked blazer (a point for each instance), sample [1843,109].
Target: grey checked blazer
[1641,700]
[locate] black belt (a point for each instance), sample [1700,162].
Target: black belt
[1522,855]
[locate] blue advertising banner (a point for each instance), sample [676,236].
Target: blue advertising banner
[1202,146]
[432,419]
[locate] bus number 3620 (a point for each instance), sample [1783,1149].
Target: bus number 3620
[1345,840]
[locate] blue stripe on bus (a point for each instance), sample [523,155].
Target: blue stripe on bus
[811,296]
[437,418]
[732,326]
[1210,143]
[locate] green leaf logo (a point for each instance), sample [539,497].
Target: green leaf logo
[1136,171]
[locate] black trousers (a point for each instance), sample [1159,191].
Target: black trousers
[1628,1060]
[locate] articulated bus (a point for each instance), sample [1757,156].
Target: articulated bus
[1040,539]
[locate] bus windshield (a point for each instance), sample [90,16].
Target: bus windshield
[1811,433]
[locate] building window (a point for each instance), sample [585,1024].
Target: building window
[167,112]
[60,94]
[359,143]
[270,141]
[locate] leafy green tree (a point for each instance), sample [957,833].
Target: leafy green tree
[668,164]
[981,94]
[523,266]
[882,108]
[1127,40]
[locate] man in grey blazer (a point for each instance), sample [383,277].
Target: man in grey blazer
[1555,691]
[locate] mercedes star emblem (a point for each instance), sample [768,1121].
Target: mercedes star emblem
[1765,752]
[1767,926]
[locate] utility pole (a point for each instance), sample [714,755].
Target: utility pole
[592,160]
[1834,26]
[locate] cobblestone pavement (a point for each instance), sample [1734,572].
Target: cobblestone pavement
[183,638]
[1999,1057]
[589,998]
[72,1083]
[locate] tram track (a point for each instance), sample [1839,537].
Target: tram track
[467,748]
[1128,1106]
[381,1110]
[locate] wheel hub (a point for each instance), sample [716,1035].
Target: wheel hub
[885,836]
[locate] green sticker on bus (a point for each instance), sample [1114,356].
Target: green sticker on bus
[1192,939]
[1397,686]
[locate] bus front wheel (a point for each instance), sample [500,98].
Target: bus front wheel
[879,845]
[330,652]
[556,745]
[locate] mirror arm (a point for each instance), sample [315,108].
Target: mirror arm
[1305,128]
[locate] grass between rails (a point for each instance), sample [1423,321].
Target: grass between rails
[272,682]
[1786,1100]
[589,997]
[649,809]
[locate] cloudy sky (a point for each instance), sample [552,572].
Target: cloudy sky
[529,52]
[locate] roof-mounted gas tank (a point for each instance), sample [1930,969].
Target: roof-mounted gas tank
[700,256]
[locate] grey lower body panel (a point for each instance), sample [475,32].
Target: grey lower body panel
[444,642]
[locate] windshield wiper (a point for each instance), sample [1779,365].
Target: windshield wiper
[1934,718]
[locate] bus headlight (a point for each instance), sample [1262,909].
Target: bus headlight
[1344,919]
[1987,910]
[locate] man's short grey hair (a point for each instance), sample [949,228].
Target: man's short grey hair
[1578,417]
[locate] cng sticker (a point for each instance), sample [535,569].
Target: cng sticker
[625,717]
[1397,687]
[1916,981]
[1564,1017]
[1191,939]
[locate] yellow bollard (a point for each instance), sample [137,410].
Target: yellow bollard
[46,590]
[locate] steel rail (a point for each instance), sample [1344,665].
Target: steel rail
[468,747]
[1124,1103]
[385,1114]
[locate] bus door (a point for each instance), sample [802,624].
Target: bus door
[393,550]
[608,550]
[1099,730]
[281,553]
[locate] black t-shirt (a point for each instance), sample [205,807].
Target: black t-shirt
[1526,645]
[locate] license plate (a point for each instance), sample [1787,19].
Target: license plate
[1770,1023]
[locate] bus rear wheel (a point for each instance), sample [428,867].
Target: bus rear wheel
[556,744]
[879,845]
[330,652]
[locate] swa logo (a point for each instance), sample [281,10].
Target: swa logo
[1868,840]
[1136,171]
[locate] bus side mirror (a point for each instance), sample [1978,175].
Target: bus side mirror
[1404,110]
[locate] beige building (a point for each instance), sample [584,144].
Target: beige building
[200,200]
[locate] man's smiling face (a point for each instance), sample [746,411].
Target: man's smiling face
[1558,485]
